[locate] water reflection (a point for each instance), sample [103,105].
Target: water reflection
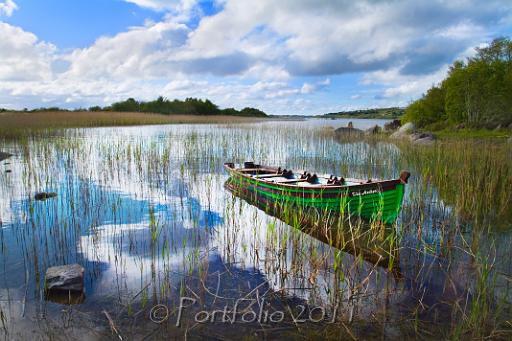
[146,213]
[371,240]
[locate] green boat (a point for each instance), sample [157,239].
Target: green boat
[373,200]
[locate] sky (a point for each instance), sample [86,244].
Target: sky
[283,57]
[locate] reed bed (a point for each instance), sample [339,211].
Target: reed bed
[16,124]
[147,214]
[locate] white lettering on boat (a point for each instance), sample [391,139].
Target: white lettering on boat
[365,192]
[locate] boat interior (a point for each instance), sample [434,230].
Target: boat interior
[299,178]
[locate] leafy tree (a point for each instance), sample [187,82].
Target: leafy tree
[190,106]
[252,112]
[477,92]
[129,105]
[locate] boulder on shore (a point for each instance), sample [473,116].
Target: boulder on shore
[65,278]
[409,127]
[422,138]
[45,195]
[404,131]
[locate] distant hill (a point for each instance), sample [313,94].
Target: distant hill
[384,113]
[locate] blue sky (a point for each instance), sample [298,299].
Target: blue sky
[285,57]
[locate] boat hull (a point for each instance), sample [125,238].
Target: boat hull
[372,201]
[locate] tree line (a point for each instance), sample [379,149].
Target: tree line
[190,106]
[476,93]
[384,113]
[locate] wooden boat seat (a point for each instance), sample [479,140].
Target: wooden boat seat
[248,170]
[289,181]
[263,176]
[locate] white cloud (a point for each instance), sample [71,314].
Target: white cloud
[252,52]
[156,4]
[308,88]
[7,8]
[140,53]
[23,56]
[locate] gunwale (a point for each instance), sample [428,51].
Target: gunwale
[360,185]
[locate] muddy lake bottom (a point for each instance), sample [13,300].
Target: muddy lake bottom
[170,253]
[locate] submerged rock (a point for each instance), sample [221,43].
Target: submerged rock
[65,278]
[45,195]
[65,296]
[4,156]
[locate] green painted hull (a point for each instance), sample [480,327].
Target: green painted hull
[375,201]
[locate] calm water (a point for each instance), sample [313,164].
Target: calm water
[145,211]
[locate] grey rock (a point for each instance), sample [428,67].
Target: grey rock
[404,131]
[407,128]
[424,142]
[45,195]
[422,138]
[65,277]
[396,135]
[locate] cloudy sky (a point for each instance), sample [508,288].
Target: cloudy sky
[285,56]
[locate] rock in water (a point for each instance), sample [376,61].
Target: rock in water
[45,195]
[348,132]
[65,278]
[392,125]
[373,130]
[4,156]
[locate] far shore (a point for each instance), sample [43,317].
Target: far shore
[84,119]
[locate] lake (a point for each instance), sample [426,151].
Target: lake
[170,252]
